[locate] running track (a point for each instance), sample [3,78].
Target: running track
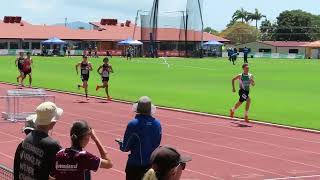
[221,149]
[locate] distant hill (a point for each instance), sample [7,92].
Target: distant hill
[76,25]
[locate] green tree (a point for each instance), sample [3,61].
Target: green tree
[256,16]
[267,30]
[240,33]
[231,23]
[297,25]
[211,31]
[241,14]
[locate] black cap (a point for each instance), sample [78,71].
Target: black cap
[29,126]
[84,56]
[166,157]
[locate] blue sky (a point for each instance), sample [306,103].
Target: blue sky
[216,13]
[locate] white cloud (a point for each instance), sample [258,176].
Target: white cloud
[38,6]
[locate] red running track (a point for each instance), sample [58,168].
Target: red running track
[221,149]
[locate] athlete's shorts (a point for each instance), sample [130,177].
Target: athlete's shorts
[85,77]
[20,68]
[244,95]
[105,79]
[25,72]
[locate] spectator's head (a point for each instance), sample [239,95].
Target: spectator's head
[245,67]
[85,58]
[166,164]
[29,126]
[21,54]
[46,116]
[106,60]
[144,106]
[80,134]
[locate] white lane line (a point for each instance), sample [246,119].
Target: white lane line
[295,177]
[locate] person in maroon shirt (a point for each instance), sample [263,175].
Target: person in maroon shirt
[76,163]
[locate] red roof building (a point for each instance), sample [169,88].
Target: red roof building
[18,34]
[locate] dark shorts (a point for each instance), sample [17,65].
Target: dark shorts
[27,72]
[244,95]
[85,77]
[105,79]
[135,172]
[20,68]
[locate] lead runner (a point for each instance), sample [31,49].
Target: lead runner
[245,81]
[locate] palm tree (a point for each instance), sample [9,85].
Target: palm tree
[241,14]
[256,16]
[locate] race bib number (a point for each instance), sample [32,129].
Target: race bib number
[85,71]
[244,96]
[105,74]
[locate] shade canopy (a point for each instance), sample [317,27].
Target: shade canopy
[130,42]
[213,43]
[54,40]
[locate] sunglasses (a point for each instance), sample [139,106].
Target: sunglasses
[182,165]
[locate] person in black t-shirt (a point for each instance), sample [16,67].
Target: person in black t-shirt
[36,154]
[28,128]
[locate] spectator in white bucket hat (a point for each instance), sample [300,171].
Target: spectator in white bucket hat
[38,150]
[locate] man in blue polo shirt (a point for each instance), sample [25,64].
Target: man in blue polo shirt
[142,137]
[245,54]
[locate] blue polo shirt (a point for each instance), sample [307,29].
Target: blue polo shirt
[142,137]
[245,51]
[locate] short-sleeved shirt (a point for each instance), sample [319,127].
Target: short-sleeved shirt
[245,51]
[74,164]
[35,156]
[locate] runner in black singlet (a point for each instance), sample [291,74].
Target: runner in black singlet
[105,70]
[19,63]
[85,68]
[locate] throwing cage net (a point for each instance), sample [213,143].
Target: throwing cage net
[172,33]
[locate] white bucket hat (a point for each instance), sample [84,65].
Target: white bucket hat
[46,113]
[144,106]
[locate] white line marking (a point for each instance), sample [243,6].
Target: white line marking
[295,177]
[301,171]
[247,176]
[117,135]
[236,149]
[4,142]
[178,126]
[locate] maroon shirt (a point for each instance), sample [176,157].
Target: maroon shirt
[74,164]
